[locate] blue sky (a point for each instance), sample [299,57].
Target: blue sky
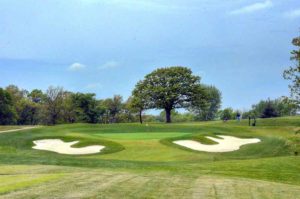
[106,46]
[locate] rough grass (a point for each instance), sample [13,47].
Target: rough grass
[142,162]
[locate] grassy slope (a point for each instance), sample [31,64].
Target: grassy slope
[141,161]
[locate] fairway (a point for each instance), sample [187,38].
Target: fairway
[141,161]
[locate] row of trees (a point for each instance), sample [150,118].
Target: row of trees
[59,106]
[273,108]
[279,107]
[166,88]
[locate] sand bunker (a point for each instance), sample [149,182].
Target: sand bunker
[228,143]
[59,146]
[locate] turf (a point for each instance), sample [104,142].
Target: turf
[140,161]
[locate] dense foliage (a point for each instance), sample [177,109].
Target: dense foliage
[57,106]
[227,114]
[7,111]
[207,109]
[273,108]
[170,88]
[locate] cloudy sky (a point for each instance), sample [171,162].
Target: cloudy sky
[106,46]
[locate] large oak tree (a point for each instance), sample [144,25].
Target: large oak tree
[168,88]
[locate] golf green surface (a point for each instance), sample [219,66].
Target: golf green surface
[140,161]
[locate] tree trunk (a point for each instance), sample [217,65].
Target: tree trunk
[168,115]
[141,118]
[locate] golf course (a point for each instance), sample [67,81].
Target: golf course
[141,161]
[149,99]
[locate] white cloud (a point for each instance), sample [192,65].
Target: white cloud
[109,64]
[253,7]
[93,86]
[293,14]
[76,67]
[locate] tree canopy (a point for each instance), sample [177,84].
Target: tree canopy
[169,88]
[282,106]
[7,111]
[207,109]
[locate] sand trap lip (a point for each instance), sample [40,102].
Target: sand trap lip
[226,144]
[59,146]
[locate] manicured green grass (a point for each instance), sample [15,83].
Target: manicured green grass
[140,161]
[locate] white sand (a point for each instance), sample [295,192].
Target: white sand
[59,146]
[228,143]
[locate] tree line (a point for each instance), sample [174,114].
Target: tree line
[165,88]
[279,107]
[57,106]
